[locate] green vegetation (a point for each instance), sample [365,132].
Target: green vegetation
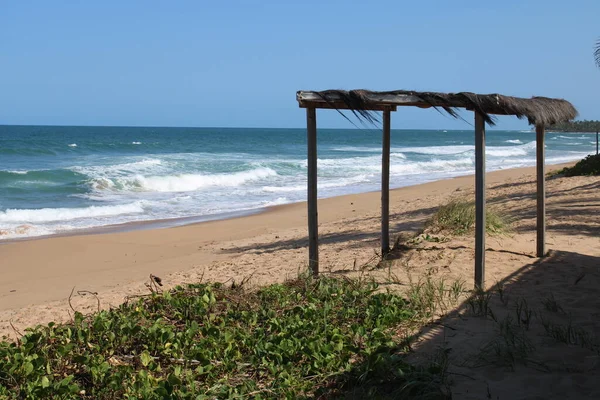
[458,217]
[308,338]
[552,305]
[510,347]
[430,298]
[575,126]
[588,166]
[513,344]
[572,335]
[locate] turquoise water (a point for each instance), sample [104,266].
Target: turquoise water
[62,179]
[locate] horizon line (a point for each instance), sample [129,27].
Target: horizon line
[248,127]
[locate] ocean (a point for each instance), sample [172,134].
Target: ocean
[59,179]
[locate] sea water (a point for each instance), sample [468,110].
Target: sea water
[56,179]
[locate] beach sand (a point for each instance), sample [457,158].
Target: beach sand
[39,275]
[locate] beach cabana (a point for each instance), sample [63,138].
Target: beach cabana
[539,111]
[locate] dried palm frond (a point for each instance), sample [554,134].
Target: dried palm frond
[537,110]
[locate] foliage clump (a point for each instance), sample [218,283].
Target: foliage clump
[308,338]
[575,126]
[588,166]
[458,217]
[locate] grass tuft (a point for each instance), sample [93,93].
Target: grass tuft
[479,304]
[458,217]
[429,298]
[571,335]
[552,305]
[510,347]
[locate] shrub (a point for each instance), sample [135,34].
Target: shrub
[588,166]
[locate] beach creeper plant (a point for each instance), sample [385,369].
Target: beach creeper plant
[305,338]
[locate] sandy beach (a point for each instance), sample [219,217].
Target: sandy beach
[40,274]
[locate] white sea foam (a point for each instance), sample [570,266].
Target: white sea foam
[398,155]
[436,150]
[284,189]
[24,230]
[510,151]
[574,137]
[448,150]
[322,184]
[181,183]
[278,201]
[441,166]
[498,151]
[146,165]
[136,142]
[443,159]
[73,145]
[354,164]
[28,216]
[362,149]
[179,199]
[21,172]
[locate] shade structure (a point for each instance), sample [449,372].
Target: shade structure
[364,104]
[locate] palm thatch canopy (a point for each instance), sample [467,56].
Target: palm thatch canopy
[538,110]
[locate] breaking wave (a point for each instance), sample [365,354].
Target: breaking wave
[64,214]
[182,182]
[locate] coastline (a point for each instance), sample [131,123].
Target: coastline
[42,270]
[166,223]
[93,188]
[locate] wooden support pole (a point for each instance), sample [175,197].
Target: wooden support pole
[479,202]
[313,233]
[385,184]
[541,191]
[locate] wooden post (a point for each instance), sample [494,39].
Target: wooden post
[541,191]
[385,184]
[313,229]
[479,202]
[596,142]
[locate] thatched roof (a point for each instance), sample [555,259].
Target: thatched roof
[537,110]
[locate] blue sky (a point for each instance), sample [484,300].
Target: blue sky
[240,63]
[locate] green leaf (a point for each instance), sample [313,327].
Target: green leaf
[173,380]
[45,382]
[28,368]
[145,358]
[177,370]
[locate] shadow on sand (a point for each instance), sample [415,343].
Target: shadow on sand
[410,221]
[534,335]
